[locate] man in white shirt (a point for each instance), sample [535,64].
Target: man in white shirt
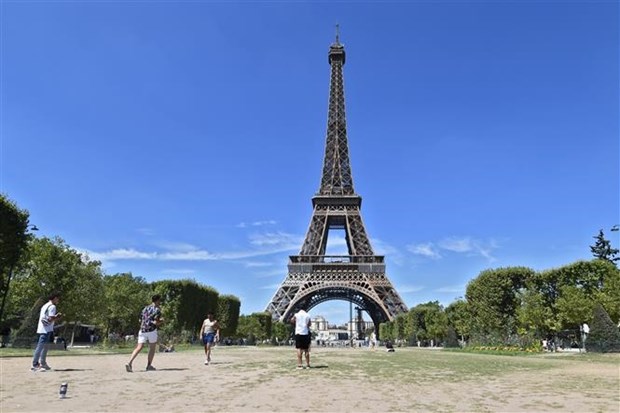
[585,330]
[45,331]
[302,321]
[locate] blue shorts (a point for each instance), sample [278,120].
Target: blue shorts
[208,338]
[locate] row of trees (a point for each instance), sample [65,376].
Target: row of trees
[31,268]
[516,306]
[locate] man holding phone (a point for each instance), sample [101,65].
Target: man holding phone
[45,331]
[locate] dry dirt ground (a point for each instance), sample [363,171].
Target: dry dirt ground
[248,379]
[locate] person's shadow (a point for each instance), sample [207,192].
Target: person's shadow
[173,369]
[71,369]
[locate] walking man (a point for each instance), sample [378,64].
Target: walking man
[150,319]
[45,331]
[301,321]
[210,333]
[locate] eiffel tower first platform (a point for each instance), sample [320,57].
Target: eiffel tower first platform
[359,277]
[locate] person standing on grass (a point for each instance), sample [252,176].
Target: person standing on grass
[210,333]
[45,331]
[301,320]
[150,320]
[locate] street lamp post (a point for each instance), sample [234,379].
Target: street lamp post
[351,321]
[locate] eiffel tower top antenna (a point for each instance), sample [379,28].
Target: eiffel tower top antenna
[336,178]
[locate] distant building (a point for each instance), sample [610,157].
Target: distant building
[326,332]
[319,324]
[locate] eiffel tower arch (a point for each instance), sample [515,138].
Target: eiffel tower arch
[358,277]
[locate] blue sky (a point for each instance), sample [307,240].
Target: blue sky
[185,139]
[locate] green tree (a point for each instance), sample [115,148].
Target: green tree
[265,320]
[574,306]
[609,294]
[125,295]
[451,338]
[228,314]
[459,318]
[561,298]
[429,322]
[399,326]
[281,331]
[185,304]
[13,243]
[604,336]
[602,249]
[252,328]
[493,299]
[386,331]
[51,265]
[535,317]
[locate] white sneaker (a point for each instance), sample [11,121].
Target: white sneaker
[206,362]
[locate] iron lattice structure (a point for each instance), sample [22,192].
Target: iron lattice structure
[358,277]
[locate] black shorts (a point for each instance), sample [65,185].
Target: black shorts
[302,341]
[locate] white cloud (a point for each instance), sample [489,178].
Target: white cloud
[256,223]
[121,254]
[457,244]
[257,264]
[471,246]
[336,245]
[427,250]
[194,255]
[175,246]
[460,245]
[264,244]
[279,240]
[390,252]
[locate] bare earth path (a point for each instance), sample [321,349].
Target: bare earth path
[249,379]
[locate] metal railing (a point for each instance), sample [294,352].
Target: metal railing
[331,259]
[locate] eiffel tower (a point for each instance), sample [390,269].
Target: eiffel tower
[358,277]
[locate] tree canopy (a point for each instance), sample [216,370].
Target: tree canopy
[13,242]
[603,250]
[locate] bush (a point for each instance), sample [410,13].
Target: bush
[452,340]
[604,336]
